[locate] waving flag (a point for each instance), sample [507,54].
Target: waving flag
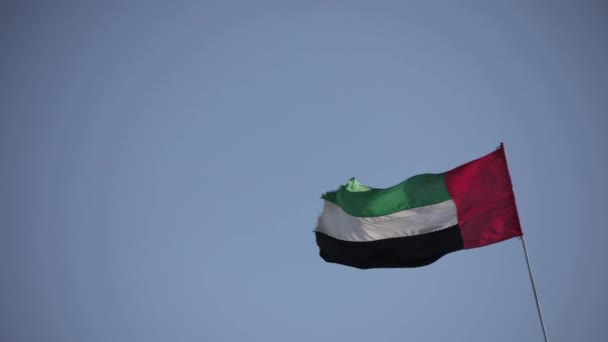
[416,222]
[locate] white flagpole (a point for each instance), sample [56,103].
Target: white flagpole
[540,314]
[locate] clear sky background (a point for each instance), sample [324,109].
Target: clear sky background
[161,166]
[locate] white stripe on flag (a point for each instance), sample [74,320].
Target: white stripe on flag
[336,223]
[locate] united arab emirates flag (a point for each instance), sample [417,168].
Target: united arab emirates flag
[416,222]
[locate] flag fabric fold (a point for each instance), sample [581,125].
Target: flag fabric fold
[418,221]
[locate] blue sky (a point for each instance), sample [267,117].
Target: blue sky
[161,166]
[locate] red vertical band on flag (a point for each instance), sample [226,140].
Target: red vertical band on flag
[484,198]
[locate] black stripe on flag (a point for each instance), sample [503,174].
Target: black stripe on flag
[410,251]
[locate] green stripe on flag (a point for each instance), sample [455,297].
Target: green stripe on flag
[360,200]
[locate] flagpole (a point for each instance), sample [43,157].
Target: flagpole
[523,242]
[540,314]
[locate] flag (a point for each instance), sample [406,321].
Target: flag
[423,218]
